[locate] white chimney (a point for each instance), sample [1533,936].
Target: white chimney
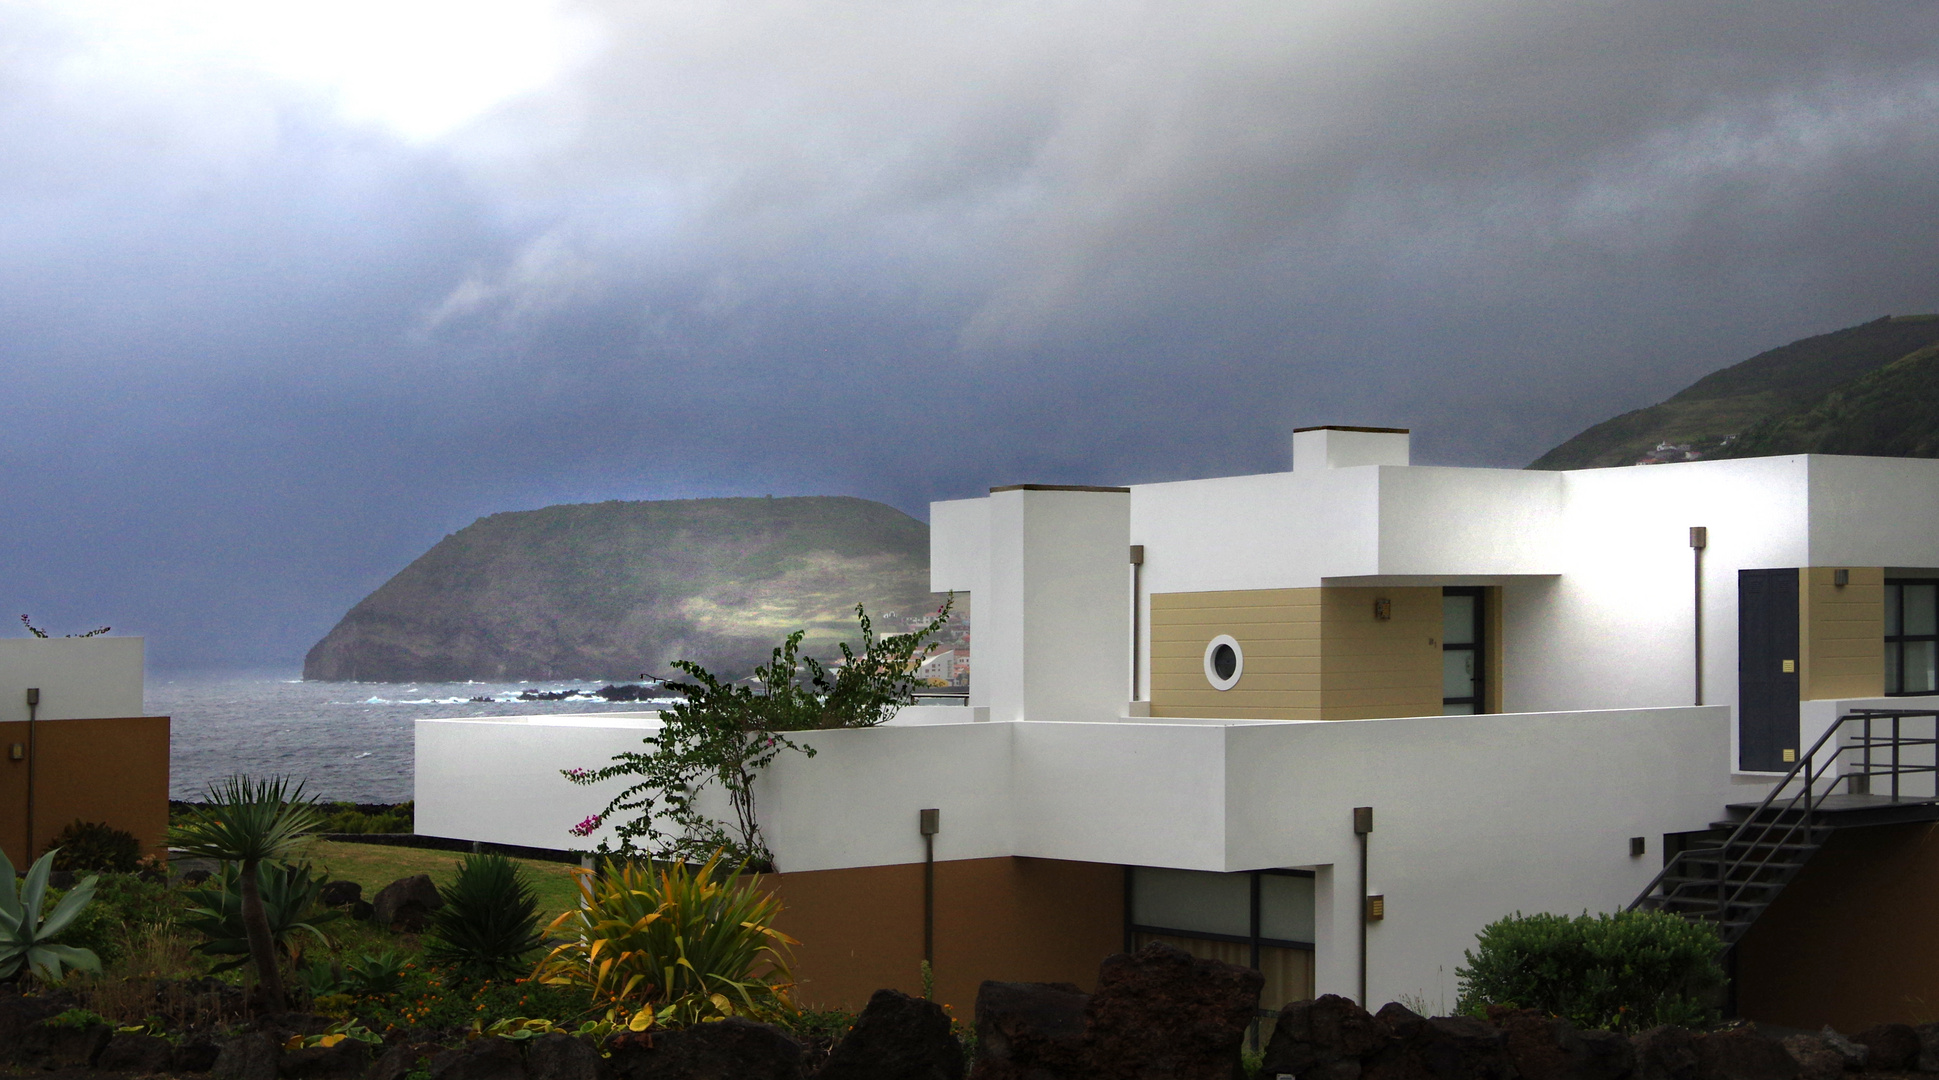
[1336,447]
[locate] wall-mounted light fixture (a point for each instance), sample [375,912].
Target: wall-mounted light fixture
[1376,908]
[1636,847]
[1841,577]
[1383,609]
[19,752]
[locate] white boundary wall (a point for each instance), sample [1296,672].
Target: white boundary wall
[78,678]
[1475,817]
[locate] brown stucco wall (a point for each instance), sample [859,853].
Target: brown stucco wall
[1854,939]
[113,771]
[1012,919]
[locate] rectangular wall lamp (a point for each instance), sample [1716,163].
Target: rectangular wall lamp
[1376,908]
[1636,846]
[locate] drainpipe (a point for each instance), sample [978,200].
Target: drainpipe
[1699,539]
[33,762]
[1363,825]
[930,822]
[1137,594]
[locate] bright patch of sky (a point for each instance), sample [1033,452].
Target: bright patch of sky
[419,69]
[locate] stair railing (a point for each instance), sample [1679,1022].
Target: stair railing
[1801,807]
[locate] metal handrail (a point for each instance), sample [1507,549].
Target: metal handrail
[1812,797]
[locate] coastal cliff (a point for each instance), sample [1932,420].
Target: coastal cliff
[616,589]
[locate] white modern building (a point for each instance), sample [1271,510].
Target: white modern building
[1328,722]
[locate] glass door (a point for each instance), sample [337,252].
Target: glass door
[1463,665]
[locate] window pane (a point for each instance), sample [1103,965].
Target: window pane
[1892,610]
[1457,673]
[1286,907]
[1457,620]
[1919,609]
[1192,900]
[1892,683]
[1919,671]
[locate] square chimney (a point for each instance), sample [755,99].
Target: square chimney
[1337,447]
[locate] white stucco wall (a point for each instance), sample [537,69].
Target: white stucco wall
[78,678]
[1474,816]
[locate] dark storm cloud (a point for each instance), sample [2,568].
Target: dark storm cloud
[258,356]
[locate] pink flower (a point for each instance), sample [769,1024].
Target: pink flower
[586,827]
[578,774]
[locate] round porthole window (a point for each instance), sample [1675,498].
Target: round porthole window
[1225,662]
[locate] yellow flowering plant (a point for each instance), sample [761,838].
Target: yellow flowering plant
[671,944]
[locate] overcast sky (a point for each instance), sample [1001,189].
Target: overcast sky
[288,291]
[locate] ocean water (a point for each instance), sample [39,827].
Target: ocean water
[345,741]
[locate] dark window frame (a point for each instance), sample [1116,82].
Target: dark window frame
[1253,939]
[1479,647]
[1895,643]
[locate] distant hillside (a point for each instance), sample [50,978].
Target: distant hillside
[610,590]
[1717,415]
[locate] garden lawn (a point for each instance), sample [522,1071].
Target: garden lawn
[376,865]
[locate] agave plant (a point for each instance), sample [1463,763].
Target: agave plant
[488,927]
[250,821]
[25,937]
[674,945]
[288,895]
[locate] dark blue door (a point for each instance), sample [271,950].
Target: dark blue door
[1767,670]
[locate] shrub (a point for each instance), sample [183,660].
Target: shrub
[1627,971]
[679,943]
[91,845]
[126,911]
[289,899]
[345,817]
[374,974]
[26,936]
[489,924]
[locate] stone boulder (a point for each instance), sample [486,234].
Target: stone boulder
[401,1058]
[1550,1048]
[254,1056]
[897,1037]
[1893,1047]
[1162,1012]
[1816,1061]
[61,1046]
[559,1056]
[1856,1055]
[481,1059]
[345,1061]
[1444,1048]
[730,1049]
[18,1016]
[1029,1031]
[1665,1053]
[340,893]
[1324,1039]
[1928,1047]
[406,904]
[1743,1054]
[135,1052]
[196,1054]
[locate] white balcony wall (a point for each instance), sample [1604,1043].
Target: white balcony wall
[78,678]
[1475,817]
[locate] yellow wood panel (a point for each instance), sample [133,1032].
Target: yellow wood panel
[1842,633]
[1277,630]
[1309,653]
[1380,667]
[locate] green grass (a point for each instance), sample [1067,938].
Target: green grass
[376,865]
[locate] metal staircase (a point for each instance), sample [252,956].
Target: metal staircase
[1729,875]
